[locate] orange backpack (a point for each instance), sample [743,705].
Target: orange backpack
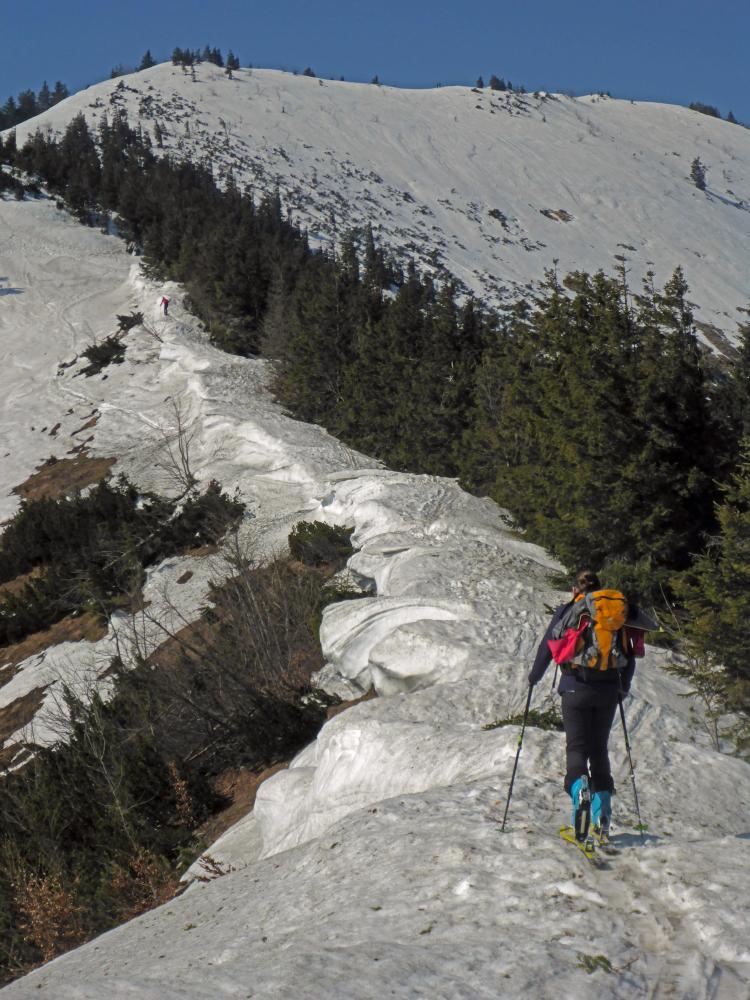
[600,618]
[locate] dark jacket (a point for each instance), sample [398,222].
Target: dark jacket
[570,681]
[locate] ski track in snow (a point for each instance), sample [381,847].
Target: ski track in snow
[374,866]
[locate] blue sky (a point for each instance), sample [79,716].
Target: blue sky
[667,50]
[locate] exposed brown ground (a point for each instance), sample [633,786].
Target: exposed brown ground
[338,709]
[240,786]
[59,477]
[16,585]
[20,712]
[13,755]
[89,423]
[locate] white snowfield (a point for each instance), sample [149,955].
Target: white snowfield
[490,187]
[375,865]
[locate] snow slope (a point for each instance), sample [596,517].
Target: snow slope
[490,187]
[375,865]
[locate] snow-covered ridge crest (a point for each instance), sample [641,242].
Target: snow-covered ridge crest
[489,187]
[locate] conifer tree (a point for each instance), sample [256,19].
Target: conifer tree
[9,115]
[320,339]
[60,92]
[79,153]
[698,174]
[44,98]
[716,591]
[739,382]
[674,430]
[27,105]
[147,61]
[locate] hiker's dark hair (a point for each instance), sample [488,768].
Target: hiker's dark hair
[586,580]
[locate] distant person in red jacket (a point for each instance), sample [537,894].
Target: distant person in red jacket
[165,303]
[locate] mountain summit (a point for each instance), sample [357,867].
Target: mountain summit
[491,187]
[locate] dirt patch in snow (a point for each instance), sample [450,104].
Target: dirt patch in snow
[16,585]
[20,712]
[338,709]
[14,755]
[59,477]
[239,786]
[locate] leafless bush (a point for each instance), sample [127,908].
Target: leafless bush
[231,686]
[176,456]
[50,914]
[144,883]
[212,868]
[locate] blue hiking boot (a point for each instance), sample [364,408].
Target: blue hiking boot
[581,797]
[601,813]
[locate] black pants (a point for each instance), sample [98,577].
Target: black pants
[588,715]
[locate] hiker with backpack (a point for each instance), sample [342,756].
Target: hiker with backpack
[595,639]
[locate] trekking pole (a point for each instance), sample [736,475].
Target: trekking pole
[518,754]
[554,681]
[630,759]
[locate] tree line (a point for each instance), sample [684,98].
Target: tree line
[190,57]
[588,410]
[28,104]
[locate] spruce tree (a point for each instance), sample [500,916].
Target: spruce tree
[698,174]
[60,92]
[44,98]
[79,153]
[716,592]
[147,61]
[673,427]
[739,381]
[321,328]
[9,114]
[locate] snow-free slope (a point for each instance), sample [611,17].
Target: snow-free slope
[490,187]
[375,866]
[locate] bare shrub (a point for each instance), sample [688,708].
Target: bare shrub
[231,687]
[212,868]
[184,805]
[147,881]
[177,446]
[50,915]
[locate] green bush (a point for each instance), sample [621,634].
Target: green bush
[93,550]
[318,544]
